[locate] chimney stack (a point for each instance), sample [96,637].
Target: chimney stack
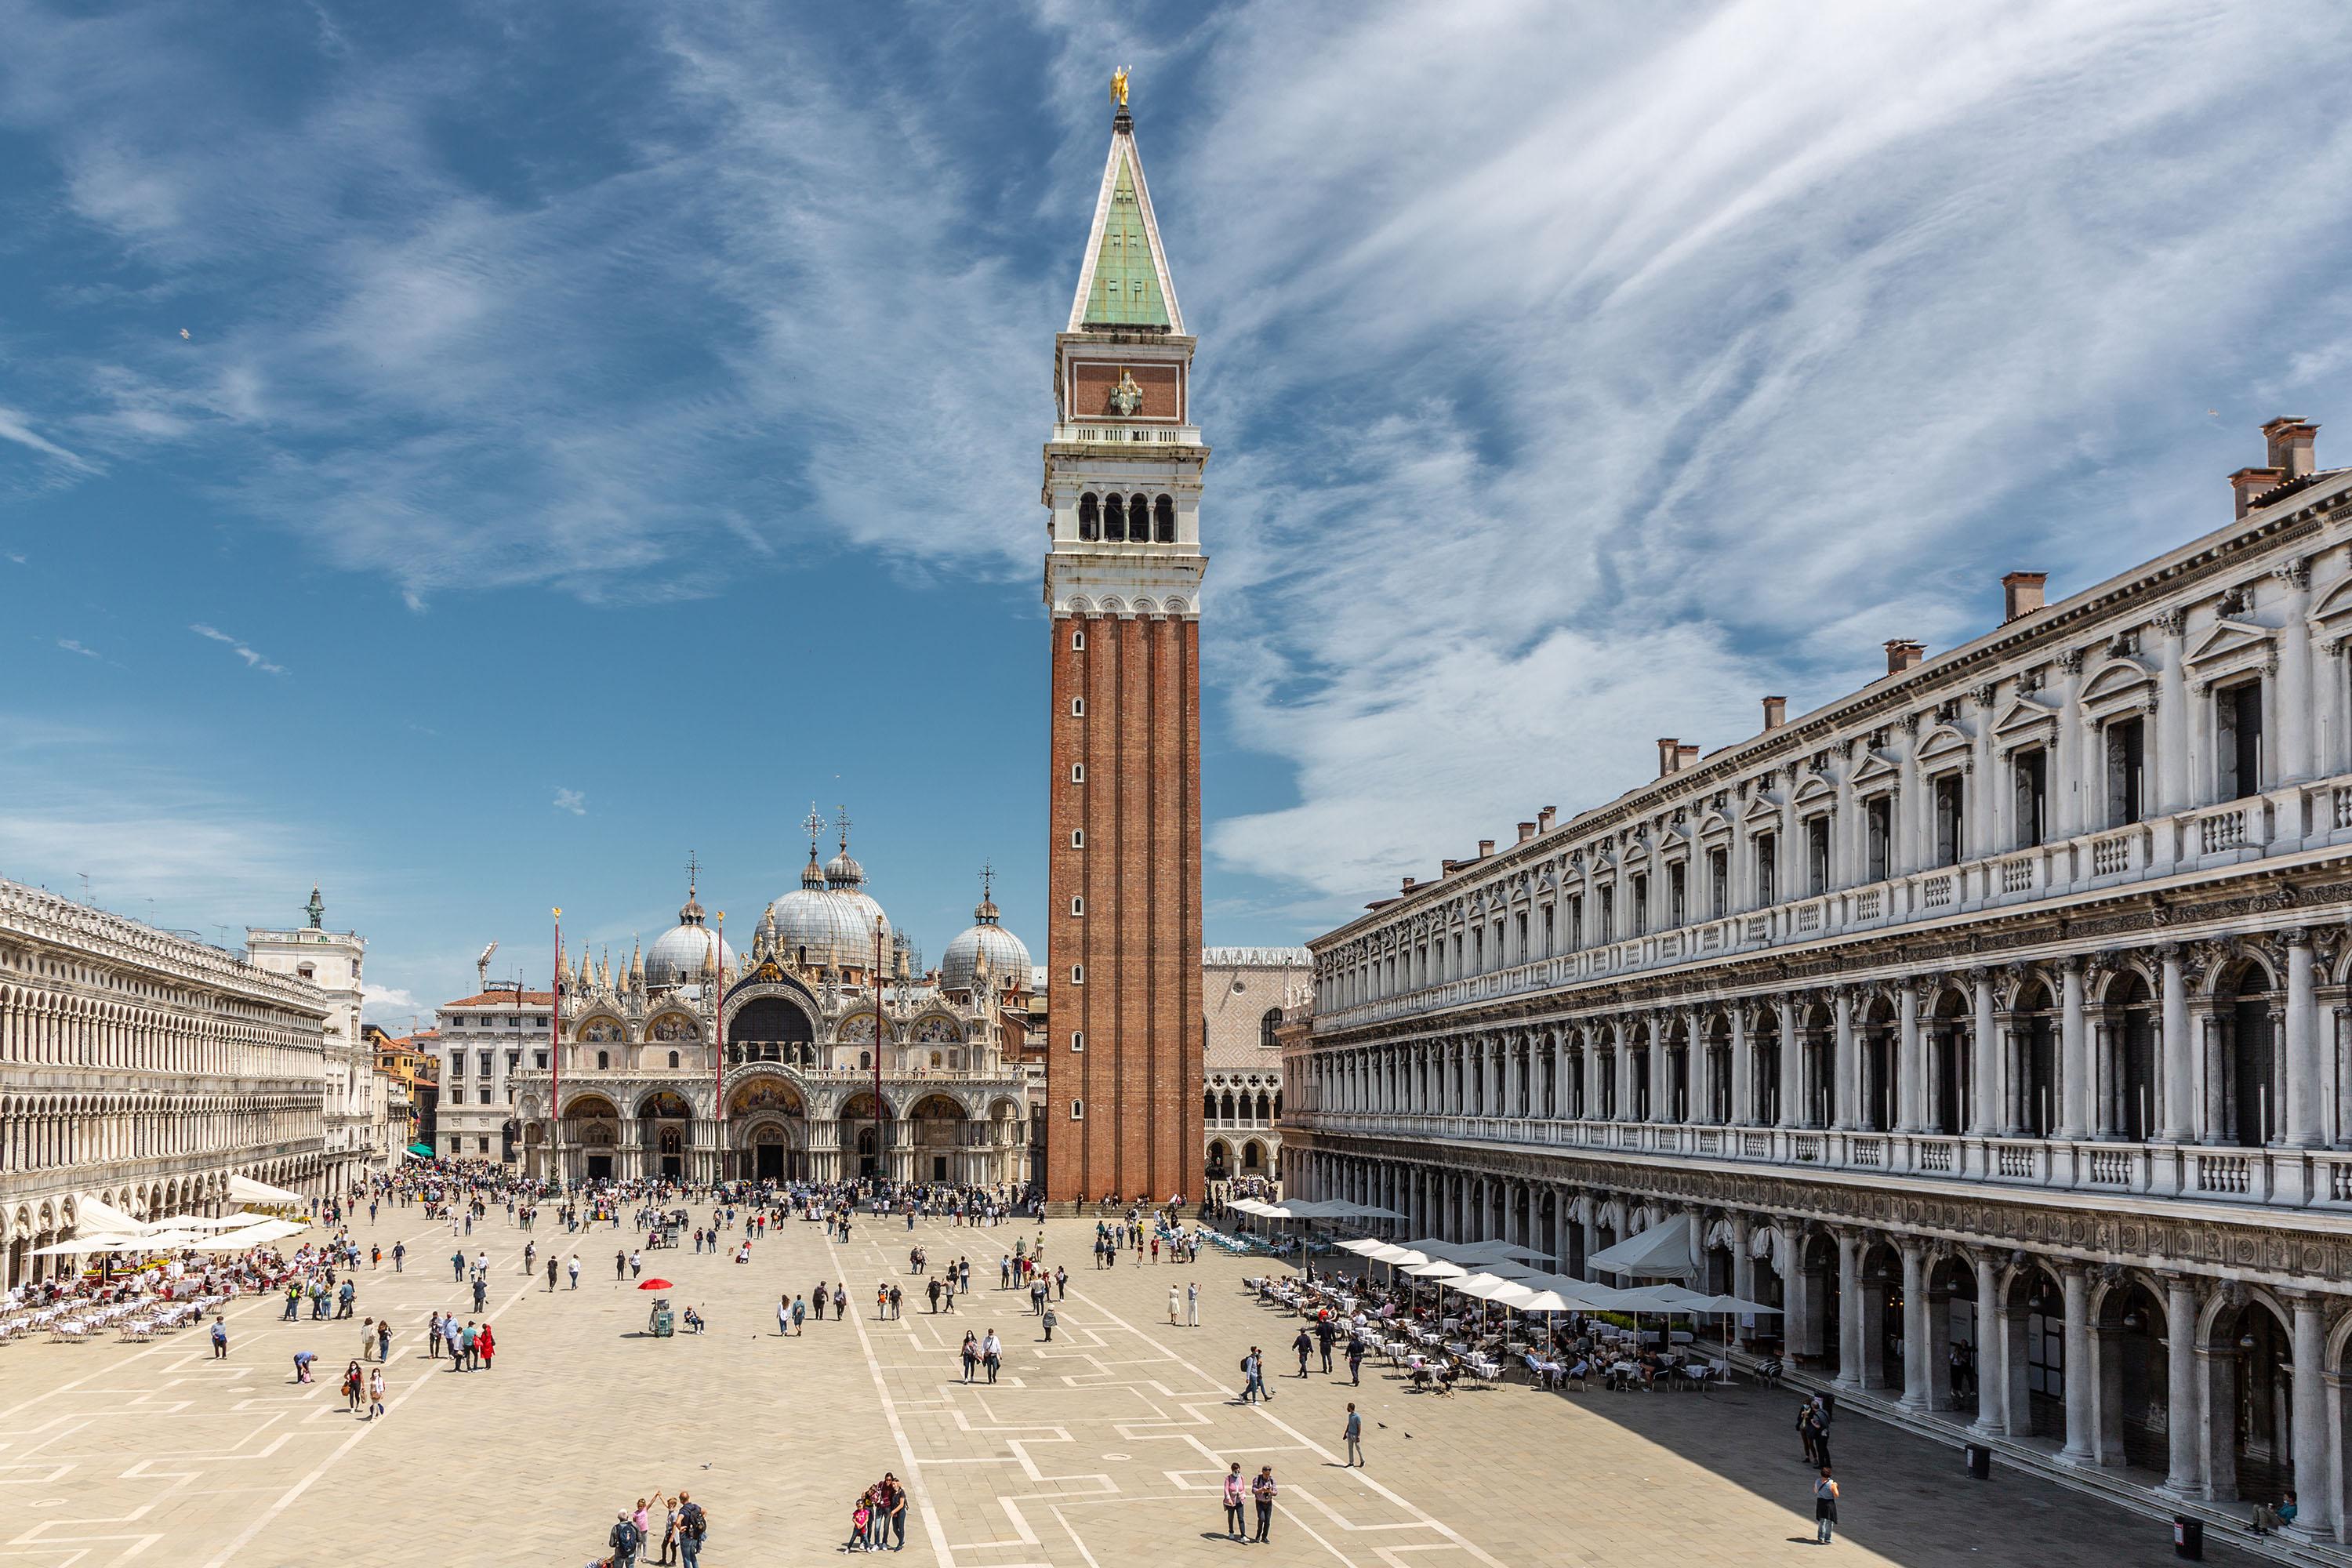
[1408,886]
[1447,868]
[1776,712]
[1485,847]
[1667,748]
[1902,654]
[1526,831]
[2249,483]
[1686,754]
[1543,818]
[2021,594]
[2289,444]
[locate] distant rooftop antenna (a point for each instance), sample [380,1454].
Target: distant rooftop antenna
[482,968]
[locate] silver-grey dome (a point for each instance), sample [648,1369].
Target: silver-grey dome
[1008,955]
[678,956]
[832,928]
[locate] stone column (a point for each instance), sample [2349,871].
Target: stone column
[2016,1395]
[1918,1368]
[2073,1053]
[1792,1057]
[1743,1267]
[2295,704]
[2304,1125]
[1624,1040]
[1984,1107]
[2178,1115]
[2316,1504]
[1743,1071]
[1699,1070]
[1991,1379]
[2108,1405]
[1845,1093]
[1849,1373]
[2172,737]
[2082,1383]
[1661,1106]
[1910,1062]
[2183,1410]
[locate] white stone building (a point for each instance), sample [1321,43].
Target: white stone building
[485,1042]
[2014,988]
[1244,990]
[144,1070]
[357,1135]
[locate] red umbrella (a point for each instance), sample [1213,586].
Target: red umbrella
[657,1285]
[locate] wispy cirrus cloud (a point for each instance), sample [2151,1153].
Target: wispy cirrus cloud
[15,426]
[253,659]
[571,800]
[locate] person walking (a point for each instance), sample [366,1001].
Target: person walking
[375,1392]
[784,1315]
[669,1532]
[220,1338]
[1235,1521]
[1355,1437]
[1173,1302]
[971,1353]
[1305,1345]
[621,1263]
[1050,1319]
[354,1385]
[1192,1303]
[457,1266]
[382,1340]
[894,1504]
[481,1293]
[992,1354]
[367,1340]
[800,1316]
[551,1271]
[399,1256]
[1355,1361]
[693,1524]
[1325,1333]
[575,1271]
[484,1347]
[1263,1491]
[1825,1501]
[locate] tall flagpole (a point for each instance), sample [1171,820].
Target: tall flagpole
[718,1032]
[555,1058]
[881,1120]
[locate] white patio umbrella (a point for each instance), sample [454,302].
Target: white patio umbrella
[1363,1246]
[265,1230]
[1728,1307]
[211,1221]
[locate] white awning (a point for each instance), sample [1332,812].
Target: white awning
[246,1190]
[1661,1252]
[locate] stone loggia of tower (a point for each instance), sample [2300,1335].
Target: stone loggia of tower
[1123,572]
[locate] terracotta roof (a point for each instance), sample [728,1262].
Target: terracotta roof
[504,999]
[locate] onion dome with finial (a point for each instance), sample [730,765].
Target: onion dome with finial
[1008,955]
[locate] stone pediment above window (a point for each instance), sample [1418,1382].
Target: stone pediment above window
[1763,809]
[1877,772]
[2331,616]
[1815,791]
[2232,648]
[1715,825]
[2121,685]
[1943,746]
[2024,722]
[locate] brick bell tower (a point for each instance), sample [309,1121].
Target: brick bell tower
[1123,572]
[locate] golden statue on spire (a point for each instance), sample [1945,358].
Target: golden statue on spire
[1118,86]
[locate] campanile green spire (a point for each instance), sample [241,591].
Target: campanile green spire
[1124,285]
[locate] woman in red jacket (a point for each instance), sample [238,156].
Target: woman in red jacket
[486,1347]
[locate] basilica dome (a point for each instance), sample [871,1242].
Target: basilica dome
[831,925]
[678,955]
[1008,955]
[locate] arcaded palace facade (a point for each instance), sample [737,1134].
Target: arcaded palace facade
[686,1061]
[2004,1005]
[144,1070]
[1243,992]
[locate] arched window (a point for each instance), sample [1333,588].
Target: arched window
[1163,520]
[1113,519]
[1089,516]
[603,1060]
[1139,519]
[1264,1111]
[1225,1106]
[1278,1105]
[1267,1024]
[673,1058]
[1208,1106]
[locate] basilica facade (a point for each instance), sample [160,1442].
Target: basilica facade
[1999,1012]
[819,1054]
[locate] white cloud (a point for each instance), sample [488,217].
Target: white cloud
[14,427]
[378,1002]
[571,800]
[252,660]
[72,646]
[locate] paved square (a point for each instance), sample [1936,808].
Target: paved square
[1105,1444]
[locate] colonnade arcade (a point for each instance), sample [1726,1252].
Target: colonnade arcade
[2212,1385]
[2240,1041]
[783,1125]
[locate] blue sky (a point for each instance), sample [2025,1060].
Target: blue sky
[600,430]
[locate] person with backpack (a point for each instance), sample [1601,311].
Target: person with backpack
[623,1539]
[693,1525]
[1825,1501]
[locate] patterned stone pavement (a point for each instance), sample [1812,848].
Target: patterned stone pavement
[1107,1442]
